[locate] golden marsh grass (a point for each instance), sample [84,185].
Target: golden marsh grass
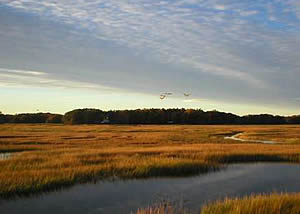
[256,204]
[54,156]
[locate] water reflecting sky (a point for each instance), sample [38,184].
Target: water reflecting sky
[126,196]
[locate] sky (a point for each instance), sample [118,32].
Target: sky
[231,55]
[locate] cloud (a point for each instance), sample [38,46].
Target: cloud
[244,49]
[169,30]
[220,7]
[294,6]
[25,72]
[193,101]
[248,13]
[24,78]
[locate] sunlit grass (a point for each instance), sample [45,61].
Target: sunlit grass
[55,156]
[255,204]
[259,204]
[164,207]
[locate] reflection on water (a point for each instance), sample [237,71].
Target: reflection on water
[126,196]
[5,156]
[236,137]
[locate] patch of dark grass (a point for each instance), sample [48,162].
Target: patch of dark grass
[245,158]
[13,150]
[18,136]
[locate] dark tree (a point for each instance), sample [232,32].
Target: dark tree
[84,116]
[148,116]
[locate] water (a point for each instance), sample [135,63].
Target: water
[5,156]
[236,137]
[126,196]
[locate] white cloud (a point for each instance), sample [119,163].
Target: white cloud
[28,78]
[193,101]
[171,33]
[248,13]
[233,43]
[220,7]
[28,72]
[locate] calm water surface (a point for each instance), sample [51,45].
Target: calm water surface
[126,196]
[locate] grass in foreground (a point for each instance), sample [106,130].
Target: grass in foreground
[164,207]
[56,156]
[259,204]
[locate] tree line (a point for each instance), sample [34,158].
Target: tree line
[148,116]
[31,118]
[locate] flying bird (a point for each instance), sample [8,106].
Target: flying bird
[186,94]
[162,96]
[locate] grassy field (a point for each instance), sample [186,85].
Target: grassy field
[259,204]
[256,204]
[55,156]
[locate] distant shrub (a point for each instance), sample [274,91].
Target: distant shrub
[293,119]
[2,118]
[54,118]
[84,116]
[31,118]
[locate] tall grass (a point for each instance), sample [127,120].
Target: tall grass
[164,207]
[55,156]
[255,204]
[259,204]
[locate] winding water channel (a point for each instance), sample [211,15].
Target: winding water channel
[237,138]
[126,196]
[5,156]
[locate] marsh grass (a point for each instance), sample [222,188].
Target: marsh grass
[256,204]
[165,207]
[276,134]
[56,156]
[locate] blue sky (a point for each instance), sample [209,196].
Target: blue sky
[231,55]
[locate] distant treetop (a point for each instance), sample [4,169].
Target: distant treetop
[148,116]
